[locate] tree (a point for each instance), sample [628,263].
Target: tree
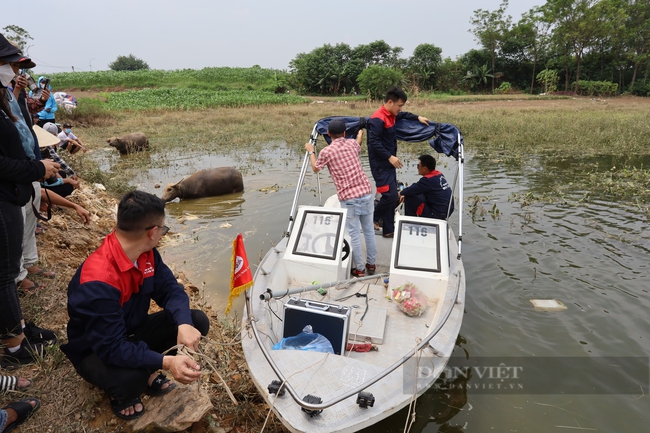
[580,24]
[490,29]
[528,38]
[18,35]
[332,70]
[378,53]
[326,70]
[376,80]
[638,28]
[424,63]
[128,63]
[450,75]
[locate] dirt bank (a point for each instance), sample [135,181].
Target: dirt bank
[71,405]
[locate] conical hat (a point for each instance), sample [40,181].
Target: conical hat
[45,138]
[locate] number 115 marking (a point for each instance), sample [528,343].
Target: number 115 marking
[419,231]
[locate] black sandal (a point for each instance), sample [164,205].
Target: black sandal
[156,387]
[120,405]
[23,409]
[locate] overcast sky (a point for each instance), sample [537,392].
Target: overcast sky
[172,34]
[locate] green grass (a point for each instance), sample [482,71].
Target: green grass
[459,98]
[174,99]
[255,78]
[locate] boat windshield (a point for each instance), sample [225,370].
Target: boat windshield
[319,234]
[418,246]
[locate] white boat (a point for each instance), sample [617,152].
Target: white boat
[305,279]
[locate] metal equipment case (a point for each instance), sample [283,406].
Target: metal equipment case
[329,320]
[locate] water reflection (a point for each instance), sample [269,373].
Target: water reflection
[591,255]
[225,206]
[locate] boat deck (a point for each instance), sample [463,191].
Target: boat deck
[402,332]
[330,376]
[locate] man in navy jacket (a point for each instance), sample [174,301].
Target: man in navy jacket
[430,196]
[112,340]
[382,151]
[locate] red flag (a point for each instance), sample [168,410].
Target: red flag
[241,277]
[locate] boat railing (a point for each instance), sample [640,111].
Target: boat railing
[461,176]
[319,406]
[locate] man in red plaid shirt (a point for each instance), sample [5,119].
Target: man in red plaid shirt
[353,188]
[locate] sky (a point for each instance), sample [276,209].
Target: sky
[172,34]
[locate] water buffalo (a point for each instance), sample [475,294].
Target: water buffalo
[206,183]
[134,142]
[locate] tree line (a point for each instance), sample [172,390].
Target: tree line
[570,46]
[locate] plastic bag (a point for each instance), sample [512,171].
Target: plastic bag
[410,299]
[306,340]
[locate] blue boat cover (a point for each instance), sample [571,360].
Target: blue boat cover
[443,137]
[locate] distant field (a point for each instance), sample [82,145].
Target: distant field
[174,99]
[255,78]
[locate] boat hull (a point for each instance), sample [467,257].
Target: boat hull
[329,376]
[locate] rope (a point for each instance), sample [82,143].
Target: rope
[184,350]
[410,416]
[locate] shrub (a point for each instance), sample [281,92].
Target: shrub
[128,63]
[548,78]
[596,88]
[374,81]
[505,87]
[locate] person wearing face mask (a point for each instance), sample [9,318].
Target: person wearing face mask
[28,140]
[70,141]
[47,114]
[20,342]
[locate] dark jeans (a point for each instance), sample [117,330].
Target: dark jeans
[412,203]
[385,209]
[121,383]
[42,122]
[63,190]
[11,250]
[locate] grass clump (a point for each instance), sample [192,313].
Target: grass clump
[89,111]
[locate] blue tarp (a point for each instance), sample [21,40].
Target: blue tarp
[443,137]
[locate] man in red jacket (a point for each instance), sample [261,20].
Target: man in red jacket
[382,155]
[113,342]
[431,196]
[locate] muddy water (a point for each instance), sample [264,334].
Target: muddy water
[593,257]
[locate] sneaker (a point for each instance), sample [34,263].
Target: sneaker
[27,354]
[358,273]
[371,269]
[36,334]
